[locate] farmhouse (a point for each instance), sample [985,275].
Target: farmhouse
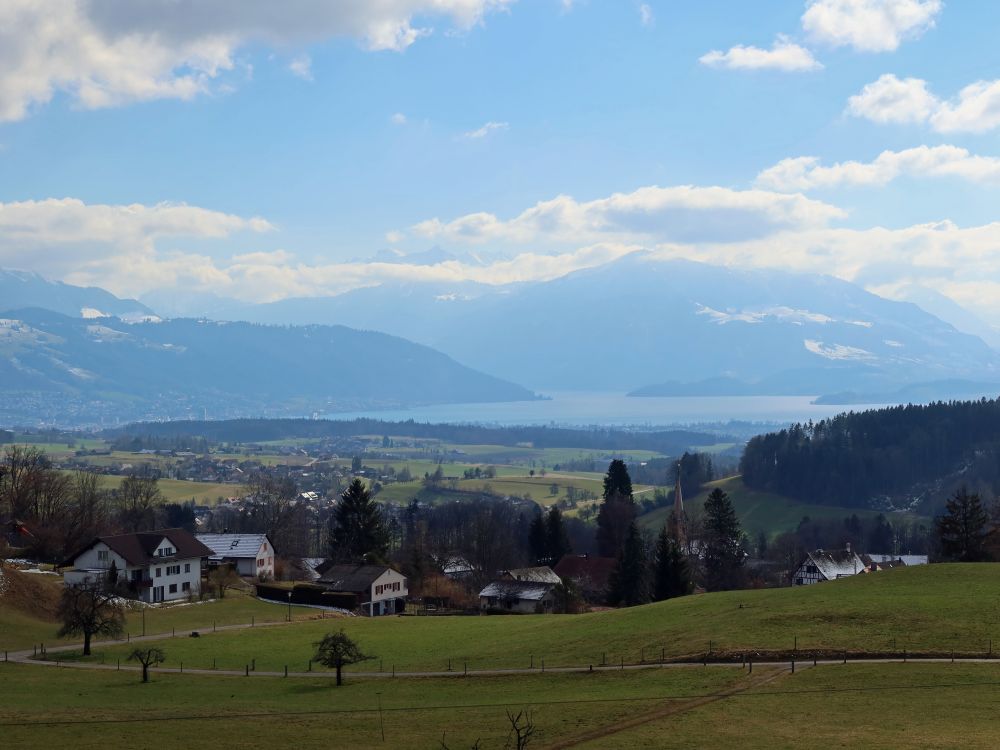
[156,566]
[824,565]
[251,555]
[541,574]
[878,558]
[522,597]
[378,589]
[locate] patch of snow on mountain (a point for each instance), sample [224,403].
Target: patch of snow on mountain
[837,351]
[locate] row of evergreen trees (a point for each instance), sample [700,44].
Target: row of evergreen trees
[671,566]
[854,457]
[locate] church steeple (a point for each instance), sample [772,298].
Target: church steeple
[677,522]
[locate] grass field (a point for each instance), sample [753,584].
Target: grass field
[926,608]
[899,706]
[212,712]
[24,627]
[858,705]
[757,511]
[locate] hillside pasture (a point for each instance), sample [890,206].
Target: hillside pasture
[926,608]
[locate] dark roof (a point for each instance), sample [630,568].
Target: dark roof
[353,578]
[138,548]
[597,570]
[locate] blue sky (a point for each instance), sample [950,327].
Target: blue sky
[218,148]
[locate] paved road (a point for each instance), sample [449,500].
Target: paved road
[27,657]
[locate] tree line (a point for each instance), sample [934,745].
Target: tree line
[893,453]
[256,430]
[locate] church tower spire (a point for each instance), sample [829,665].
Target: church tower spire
[677,522]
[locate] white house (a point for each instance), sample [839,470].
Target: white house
[379,589]
[825,565]
[156,566]
[251,554]
[522,597]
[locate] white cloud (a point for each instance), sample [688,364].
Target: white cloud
[976,109]
[109,52]
[69,239]
[869,25]
[301,66]
[806,173]
[894,100]
[486,129]
[646,16]
[783,55]
[682,213]
[398,119]
[962,263]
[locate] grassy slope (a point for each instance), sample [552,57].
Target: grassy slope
[939,607]
[24,624]
[900,706]
[757,511]
[415,712]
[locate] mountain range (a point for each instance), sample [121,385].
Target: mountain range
[55,366]
[665,327]
[641,325]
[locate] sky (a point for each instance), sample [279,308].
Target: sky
[258,150]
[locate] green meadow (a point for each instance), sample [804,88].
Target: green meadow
[936,608]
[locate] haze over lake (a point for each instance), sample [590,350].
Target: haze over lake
[576,408]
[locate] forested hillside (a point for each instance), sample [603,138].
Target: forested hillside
[896,453]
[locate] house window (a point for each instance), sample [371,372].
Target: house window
[260,563]
[173,588]
[102,555]
[812,569]
[187,567]
[799,582]
[186,586]
[159,572]
[173,570]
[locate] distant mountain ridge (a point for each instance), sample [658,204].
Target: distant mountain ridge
[641,321]
[64,366]
[20,289]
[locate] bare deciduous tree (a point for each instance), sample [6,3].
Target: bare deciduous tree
[90,609]
[147,657]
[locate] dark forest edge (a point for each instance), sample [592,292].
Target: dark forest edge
[902,457]
[262,430]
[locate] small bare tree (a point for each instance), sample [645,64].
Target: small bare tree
[522,728]
[90,609]
[337,650]
[147,657]
[223,578]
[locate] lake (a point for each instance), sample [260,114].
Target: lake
[617,410]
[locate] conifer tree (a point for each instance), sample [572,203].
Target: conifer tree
[629,581]
[616,512]
[672,574]
[357,530]
[722,543]
[556,538]
[538,541]
[962,531]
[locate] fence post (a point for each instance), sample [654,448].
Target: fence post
[623,662]
[213,662]
[543,665]
[286,670]
[251,621]
[532,657]
[253,664]
[393,669]
[449,665]
[662,651]
[465,667]
[182,667]
[119,665]
[247,673]
[750,660]
[845,656]
[213,626]
[793,666]
[173,632]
